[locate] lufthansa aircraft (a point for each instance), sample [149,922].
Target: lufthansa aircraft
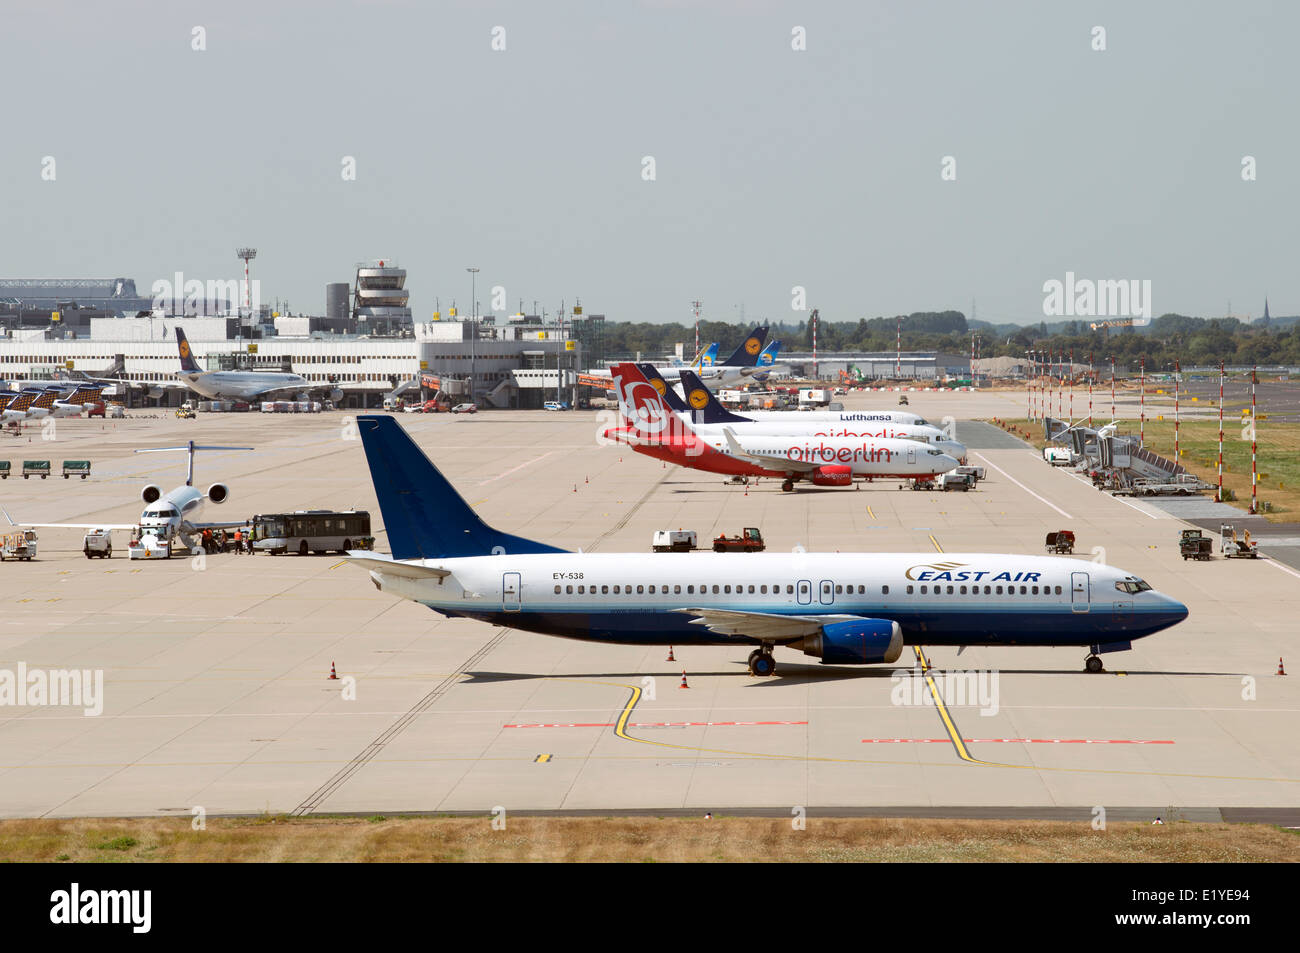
[748,360]
[241,385]
[841,608]
[702,409]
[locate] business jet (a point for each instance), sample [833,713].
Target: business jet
[241,385]
[840,608]
[654,430]
[166,516]
[702,409]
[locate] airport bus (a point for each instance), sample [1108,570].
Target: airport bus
[315,531]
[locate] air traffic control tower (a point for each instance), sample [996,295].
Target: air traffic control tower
[380,302]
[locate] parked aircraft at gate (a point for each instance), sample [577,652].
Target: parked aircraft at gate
[654,430]
[841,608]
[702,410]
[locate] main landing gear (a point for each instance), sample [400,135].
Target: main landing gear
[787,486]
[761,663]
[1093,664]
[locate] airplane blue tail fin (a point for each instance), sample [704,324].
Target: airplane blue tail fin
[423,514]
[675,403]
[747,354]
[767,357]
[188,363]
[704,405]
[709,356]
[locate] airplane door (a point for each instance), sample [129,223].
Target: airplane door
[1079,591]
[911,457]
[827,592]
[511,592]
[804,590]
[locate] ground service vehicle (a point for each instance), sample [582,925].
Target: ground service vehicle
[1060,542]
[73,468]
[674,541]
[976,472]
[40,468]
[750,541]
[1234,548]
[98,543]
[1057,456]
[465,409]
[902,400]
[1193,544]
[20,544]
[4,469]
[314,531]
[956,481]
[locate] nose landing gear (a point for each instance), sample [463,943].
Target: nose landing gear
[1093,664]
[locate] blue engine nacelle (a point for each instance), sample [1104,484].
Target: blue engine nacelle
[856,642]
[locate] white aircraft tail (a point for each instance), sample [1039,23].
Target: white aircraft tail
[190,448]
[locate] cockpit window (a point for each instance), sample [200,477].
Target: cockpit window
[1132,586]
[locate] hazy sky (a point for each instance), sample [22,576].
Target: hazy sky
[774,167]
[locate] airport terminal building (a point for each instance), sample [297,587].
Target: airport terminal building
[519,364]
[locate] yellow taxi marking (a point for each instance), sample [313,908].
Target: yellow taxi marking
[341,562]
[620,729]
[953,734]
[477,502]
[542,758]
[871,513]
[24,600]
[936,543]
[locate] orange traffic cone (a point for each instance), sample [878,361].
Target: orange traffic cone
[586,479]
[575,488]
[683,684]
[670,655]
[334,675]
[1280,669]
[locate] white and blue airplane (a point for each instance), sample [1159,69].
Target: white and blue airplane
[841,608]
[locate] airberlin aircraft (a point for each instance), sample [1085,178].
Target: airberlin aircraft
[701,409]
[840,608]
[656,431]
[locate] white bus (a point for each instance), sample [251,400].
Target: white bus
[311,531]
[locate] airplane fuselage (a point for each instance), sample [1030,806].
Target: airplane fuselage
[241,385]
[948,599]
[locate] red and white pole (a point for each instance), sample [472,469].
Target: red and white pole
[247,305]
[1142,426]
[1254,433]
[1089,390]
[1218,496]
[1071,386]
[1112,388]
[1029,390]
[814,324]
[1178,376]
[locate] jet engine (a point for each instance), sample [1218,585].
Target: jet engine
[218,493]
[150,493]
[856,642]
[336,395]
[833,476]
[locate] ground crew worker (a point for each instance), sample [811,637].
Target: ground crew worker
[239,541]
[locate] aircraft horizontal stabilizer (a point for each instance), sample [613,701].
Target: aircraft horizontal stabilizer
[391,567]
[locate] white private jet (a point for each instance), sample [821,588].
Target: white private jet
[166,517]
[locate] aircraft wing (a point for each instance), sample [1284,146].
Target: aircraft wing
[79,525]
[392,567]
[764,626]
[189,528]
[770,460]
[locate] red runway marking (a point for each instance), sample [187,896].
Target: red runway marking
[656,724]
[1016,741]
